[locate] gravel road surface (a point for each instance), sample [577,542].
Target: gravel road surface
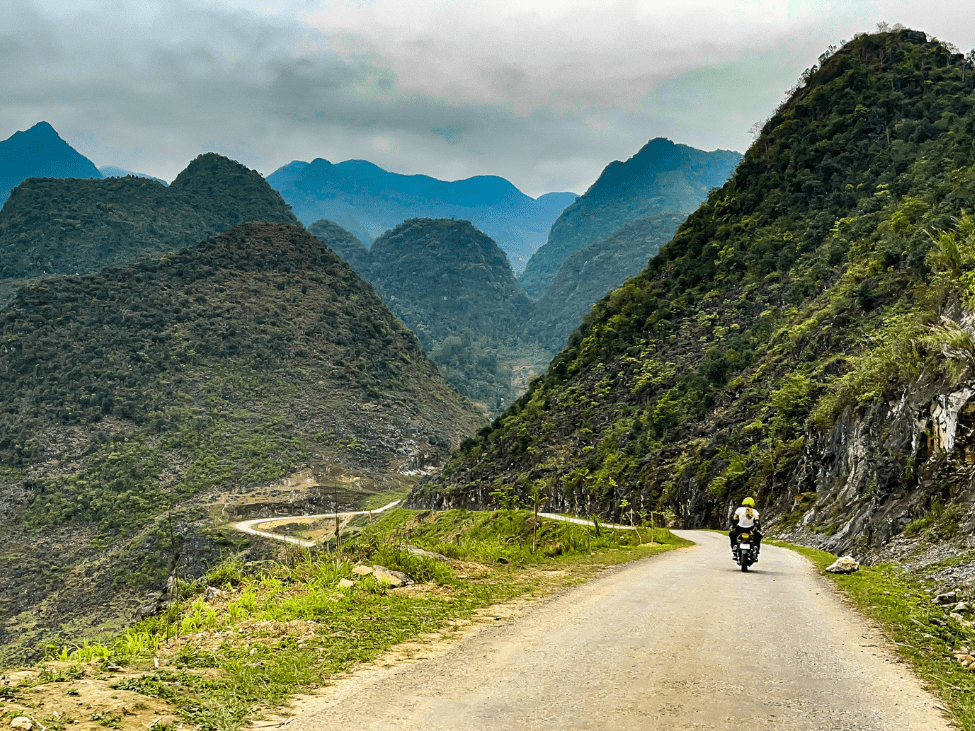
[683,640]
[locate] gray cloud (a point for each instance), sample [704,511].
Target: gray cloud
[543,93]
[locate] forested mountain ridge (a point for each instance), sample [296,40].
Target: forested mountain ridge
[806,337]
[452,286]
[345,244]
[662,177]
[53,226]
[586,276]
[39,152]
[368,201]
[139,403]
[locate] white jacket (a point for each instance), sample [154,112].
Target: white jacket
[747,516]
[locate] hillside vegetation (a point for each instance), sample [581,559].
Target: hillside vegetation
[663,177]
[453,287]
[52,226]
[345,244]
[806,337]
[586,276]
[139,404]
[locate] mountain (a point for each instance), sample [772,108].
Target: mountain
[587,275]
[368,201]
[346,245]
[53,226]
[145,406]
[110,171]
[661,177]
[454,288]
[807,337]
[423,263]
[40,153]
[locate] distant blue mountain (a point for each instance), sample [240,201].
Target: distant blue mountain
[663,177]
[110,171]
[40,153]
[368,201]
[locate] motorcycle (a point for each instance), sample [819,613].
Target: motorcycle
[745,551]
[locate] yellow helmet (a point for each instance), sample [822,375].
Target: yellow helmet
[749,502]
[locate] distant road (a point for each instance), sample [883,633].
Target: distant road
[683,640]
[247,526]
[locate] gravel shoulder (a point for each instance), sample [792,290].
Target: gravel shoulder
[681,640]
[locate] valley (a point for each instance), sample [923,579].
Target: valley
[420,390]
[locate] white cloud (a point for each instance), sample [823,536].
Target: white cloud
[544,93]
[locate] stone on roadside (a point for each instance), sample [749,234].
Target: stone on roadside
[22,723]
[844,565]
[362,570]
[395,579]
[420,552]
[150,610]
[346,583]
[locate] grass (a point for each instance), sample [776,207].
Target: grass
[280,629]
[381,499]
[901,604]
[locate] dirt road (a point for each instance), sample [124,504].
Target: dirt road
[679,641]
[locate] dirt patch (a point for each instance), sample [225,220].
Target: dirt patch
[57,696]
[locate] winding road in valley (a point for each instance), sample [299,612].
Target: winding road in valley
[683,640]
[251,526]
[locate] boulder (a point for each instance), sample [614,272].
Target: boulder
[22,723]
[420,552]
[946,598]
[362,570]
[212,593]
[151,609]
[395,579]
[844,565]
[346,583]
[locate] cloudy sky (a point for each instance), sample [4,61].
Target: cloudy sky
[542,92]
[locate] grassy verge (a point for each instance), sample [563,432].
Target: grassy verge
[923,632]
[382,499]
[246,638]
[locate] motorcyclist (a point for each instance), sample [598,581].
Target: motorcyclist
[746,518]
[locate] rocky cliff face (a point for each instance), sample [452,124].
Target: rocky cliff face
[879,470]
